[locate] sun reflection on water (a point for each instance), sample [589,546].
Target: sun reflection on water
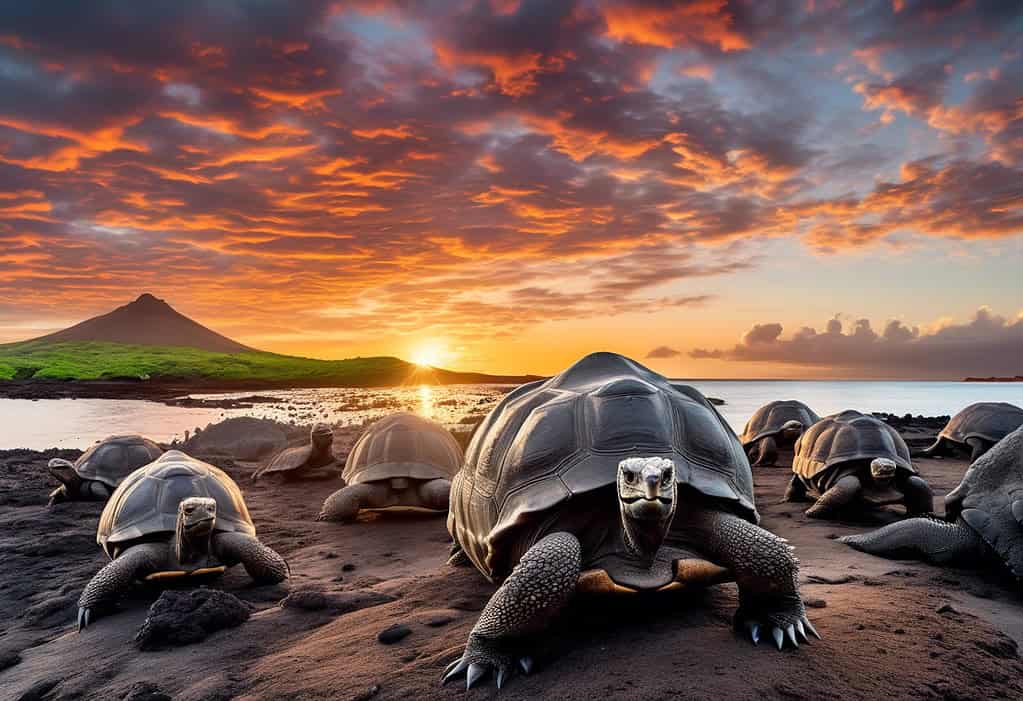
[426,401]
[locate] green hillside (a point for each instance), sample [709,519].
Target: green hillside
[34,360]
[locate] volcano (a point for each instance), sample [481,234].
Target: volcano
[148,321]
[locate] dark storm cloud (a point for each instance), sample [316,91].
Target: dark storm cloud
[985,346]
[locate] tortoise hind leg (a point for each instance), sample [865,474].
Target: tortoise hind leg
[345,503]
[116,578]
[927,539]
[435,494]
[935,450]
[535,592]
[95,490]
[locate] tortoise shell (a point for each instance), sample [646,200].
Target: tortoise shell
[146,502]
[550,442]
[991,421]
[769,419]
[845,437]
[403,445]
[990,499]
[114,458]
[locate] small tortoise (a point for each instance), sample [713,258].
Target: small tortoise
[976,428]
[606,478]
[304,460]
[851,457]
[775,425]
[96,474]
[983,518]
[177,517]
[401,460]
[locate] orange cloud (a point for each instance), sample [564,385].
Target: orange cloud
[671,26]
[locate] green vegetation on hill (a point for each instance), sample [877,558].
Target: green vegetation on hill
[35,360]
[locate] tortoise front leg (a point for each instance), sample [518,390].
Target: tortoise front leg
[765,569]
[117,577]
[261,562]
[919,498]
[796,490]
[345,503]
[840,495]
[58,495]
[765,452]
[535,592]
[978,446]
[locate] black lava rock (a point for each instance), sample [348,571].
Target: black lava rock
[185,617]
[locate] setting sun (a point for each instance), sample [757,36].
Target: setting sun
[428,355]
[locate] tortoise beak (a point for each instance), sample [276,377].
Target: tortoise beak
[653,486]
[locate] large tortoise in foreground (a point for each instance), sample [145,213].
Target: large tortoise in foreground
[402,460]
[983,518]
[175,518]
[96,474]
[976,429]
[849,459]
[606,478]
[775,425]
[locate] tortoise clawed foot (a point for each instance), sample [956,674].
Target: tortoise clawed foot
[483,658]
[786,621]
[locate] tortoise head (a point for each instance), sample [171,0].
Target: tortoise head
[882,470]
[646,497]
[65,472]
[197,517]
[791,430]
[321,435]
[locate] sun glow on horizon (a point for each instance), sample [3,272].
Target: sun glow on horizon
[428,355]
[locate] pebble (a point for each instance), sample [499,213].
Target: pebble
[389,636]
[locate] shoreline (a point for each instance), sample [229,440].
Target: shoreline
[176,393]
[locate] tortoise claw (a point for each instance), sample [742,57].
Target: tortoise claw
[454,669]
[809,627]
[779,637]
[84,616]
[474,675]
[526,663]
[790,632]
[754,631]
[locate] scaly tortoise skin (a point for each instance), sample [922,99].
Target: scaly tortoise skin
[608,478]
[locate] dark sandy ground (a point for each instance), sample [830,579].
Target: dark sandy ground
[891,629]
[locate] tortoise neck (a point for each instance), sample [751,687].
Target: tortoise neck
[188,547]
[643,538]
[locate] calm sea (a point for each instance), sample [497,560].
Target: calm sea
[66,423]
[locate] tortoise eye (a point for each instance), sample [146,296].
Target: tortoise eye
[669,475]
[630,477]
[189,509]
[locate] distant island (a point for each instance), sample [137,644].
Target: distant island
[147,348]
[1017,378]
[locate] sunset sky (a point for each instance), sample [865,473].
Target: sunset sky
[717,189]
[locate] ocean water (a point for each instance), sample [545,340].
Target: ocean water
[66,423]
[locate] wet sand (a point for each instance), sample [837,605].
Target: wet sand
[891,629]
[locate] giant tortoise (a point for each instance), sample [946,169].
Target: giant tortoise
[606,478]
[851,458]
[96,474]
[775,425]
[976,428]
[314,459]
[402,460]
[175,518]
[983,518]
